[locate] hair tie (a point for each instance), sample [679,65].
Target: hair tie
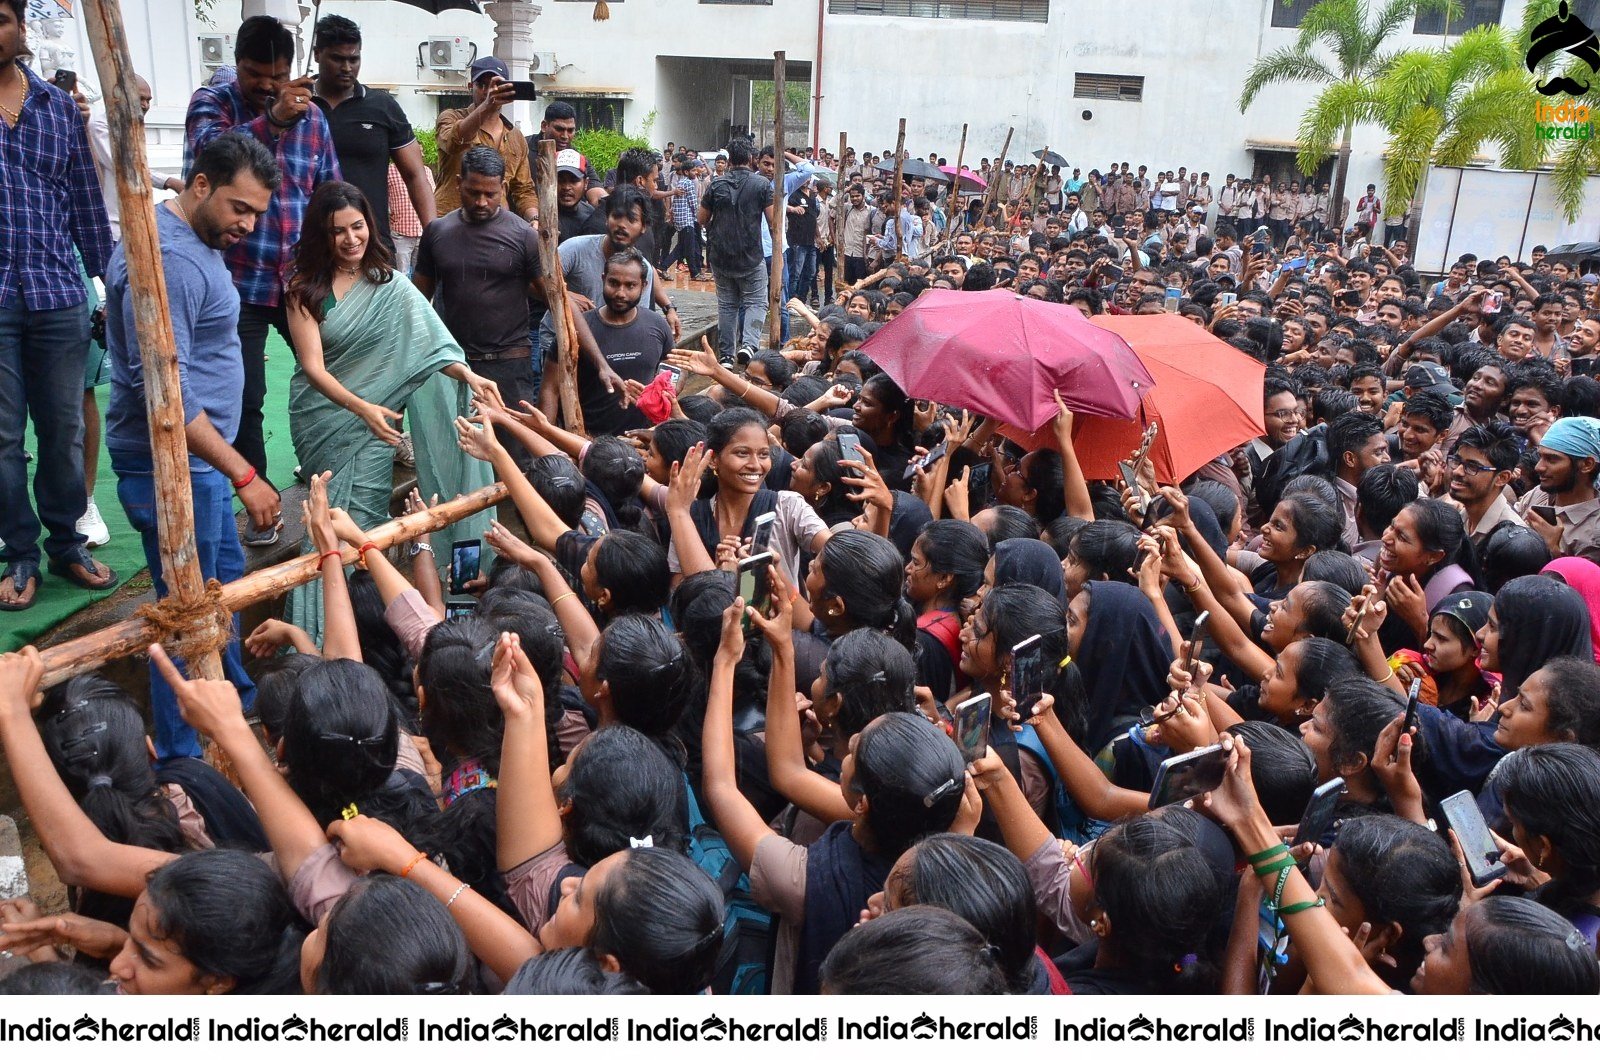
[647,843]
[1066,661]
[101,781]
[1189,961]
[940,792]
[1576,941]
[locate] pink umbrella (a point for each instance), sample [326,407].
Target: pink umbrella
[1004,355]
[970,181]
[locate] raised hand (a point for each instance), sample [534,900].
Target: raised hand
[211,707]
[515,685]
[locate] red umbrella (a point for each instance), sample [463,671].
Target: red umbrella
[1004,355]
[1207,399]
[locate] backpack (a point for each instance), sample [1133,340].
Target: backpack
[749,932]
[1304,454]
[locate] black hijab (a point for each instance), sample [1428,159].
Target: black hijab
[1025,561]
[1540,619]
[1124,655]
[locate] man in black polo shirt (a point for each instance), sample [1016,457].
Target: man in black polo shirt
[369,129]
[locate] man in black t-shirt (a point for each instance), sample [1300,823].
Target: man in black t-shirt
[633,343]
[369,128]
[800,240]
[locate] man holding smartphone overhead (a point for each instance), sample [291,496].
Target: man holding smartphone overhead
[482,125]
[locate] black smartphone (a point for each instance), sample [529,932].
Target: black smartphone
[1184,776]
[1361,612]
[935,455]
[753,584]
[460,608]
[1584,365]
[1111,272]
[980,488]
[1350,299]
[1027,675]
[526,90]
[465,557]
[65,80]
[1546,512]
[761,533]
[850,447]
[1131,480]
[972,726]
[1197,644]
[1472,832]
[1412,698]
[674,375]
[1318,815]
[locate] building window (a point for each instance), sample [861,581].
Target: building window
[992,10]
[1474,13]
[1290,15]
[1126,87]
[750,3]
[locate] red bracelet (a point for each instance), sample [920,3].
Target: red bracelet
[336,553]
[249,477]
[361,553]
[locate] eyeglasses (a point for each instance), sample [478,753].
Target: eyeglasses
[1283,415]
[1471,467]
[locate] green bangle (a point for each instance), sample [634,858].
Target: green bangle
[1285,862]
[1268,854]
[1300,907]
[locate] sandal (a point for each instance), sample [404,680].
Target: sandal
[65,563]
[21,572]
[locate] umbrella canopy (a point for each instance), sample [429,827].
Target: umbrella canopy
[1050,158]
[1573,253]
[436,6]
[970,181]
[1003,355]
[916,167]
[1207,399]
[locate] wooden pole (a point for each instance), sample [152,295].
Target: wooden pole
[955,183]
[838,211]
[995,177]
[63,662]
[555,286]
[147,286]
[899,190]
[780,203]
[1027,195]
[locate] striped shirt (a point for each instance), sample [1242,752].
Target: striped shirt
[49,202]
[304,152]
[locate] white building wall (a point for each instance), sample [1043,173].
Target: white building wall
[937,73]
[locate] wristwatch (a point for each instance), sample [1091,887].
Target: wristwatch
[419,547]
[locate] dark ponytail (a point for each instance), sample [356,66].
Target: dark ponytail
[661,917]
[913,778]
[865,573]
[872,676]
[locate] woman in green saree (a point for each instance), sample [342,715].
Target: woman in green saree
[369,348]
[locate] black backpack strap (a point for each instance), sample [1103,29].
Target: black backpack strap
[230,819]
[568,871]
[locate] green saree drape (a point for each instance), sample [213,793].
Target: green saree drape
[386,345]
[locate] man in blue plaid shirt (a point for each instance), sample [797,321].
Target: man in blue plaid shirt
[262,101]
[49,204]
[685,202]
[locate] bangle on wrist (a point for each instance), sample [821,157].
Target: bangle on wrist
[412,864]
[332,552]
[560,598]
[248,477]
[361,553]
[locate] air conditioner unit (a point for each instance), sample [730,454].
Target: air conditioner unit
[449,53]
[542,64]
[216,50]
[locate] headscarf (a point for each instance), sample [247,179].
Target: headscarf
[1584,576]
[1124,655]
[1576,436]
[1027,561]
[1540,619]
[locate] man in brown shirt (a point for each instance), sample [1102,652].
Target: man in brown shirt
[483,124]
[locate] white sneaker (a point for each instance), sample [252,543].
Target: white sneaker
[92,526]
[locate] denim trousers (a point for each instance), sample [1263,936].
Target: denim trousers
[42,356]
[741,308]
[216,538]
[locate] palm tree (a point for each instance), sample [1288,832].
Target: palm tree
[1575,161]
[1441,105]
[1348,63]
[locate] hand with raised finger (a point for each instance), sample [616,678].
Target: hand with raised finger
[212,708]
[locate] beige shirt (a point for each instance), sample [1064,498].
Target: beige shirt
[521,195]
[1500,511]
[1580,523]
[778,882]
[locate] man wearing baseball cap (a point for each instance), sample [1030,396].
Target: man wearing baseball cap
[482,125]
[578,215]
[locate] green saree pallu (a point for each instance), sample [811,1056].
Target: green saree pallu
[386,345]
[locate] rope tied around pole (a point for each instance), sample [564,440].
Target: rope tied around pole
[191,628]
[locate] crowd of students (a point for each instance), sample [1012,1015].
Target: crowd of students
[713,718]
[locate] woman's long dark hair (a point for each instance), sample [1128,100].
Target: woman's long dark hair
[389,936]
[1553,790]
[230,917]
[865,573]
[311,276]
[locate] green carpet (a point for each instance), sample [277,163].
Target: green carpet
[58,598]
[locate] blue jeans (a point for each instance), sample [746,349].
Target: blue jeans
[216,538]
[42,354]
[801,264]
[741,308]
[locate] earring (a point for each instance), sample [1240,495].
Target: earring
[835,610]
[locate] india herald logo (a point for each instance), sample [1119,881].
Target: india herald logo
[1563,32]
